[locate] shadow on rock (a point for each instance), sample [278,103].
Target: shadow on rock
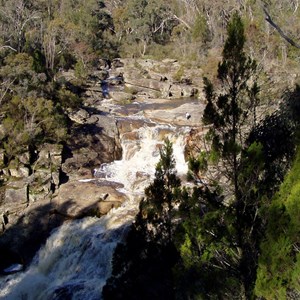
[20,242]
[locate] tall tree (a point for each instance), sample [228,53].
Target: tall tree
[232,110]
[17,17]
[231,113]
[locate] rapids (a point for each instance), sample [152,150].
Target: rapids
[75,262]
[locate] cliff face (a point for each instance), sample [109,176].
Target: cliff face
[42,189]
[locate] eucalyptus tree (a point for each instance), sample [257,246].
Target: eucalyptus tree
[146,22]
[17,18]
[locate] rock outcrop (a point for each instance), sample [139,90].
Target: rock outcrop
[45,180]
[167,79]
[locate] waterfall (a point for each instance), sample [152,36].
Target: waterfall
[140,157]
[75,262]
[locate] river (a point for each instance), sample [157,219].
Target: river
[75,262]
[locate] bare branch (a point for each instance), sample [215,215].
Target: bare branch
[182,21]
[9,47]
[26,21]
[162,24]
[279,30]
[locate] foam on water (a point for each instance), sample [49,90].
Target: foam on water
[140,157]
[75,262]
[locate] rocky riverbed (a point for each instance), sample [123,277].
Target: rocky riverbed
[56,183]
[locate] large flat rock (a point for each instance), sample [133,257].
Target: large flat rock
[177,115]
[77,199]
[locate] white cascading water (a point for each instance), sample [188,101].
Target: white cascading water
[76,259]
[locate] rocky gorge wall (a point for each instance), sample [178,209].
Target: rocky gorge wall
[47,186]
[38,180]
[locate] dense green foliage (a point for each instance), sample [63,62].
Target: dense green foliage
[207,243]
[32,106]
[278,266]
[29,115]
[279,263]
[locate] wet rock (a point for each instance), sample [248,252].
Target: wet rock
[8,259]
[14,268]
[141,179]
[104,207]
[128,126]
[131,136]
[177,115]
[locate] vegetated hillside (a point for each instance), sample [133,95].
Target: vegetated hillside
[69,33]
[66,33]
[195,30]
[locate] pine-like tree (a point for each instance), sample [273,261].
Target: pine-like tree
[232,111]
[142,266]
[250,157]
[231,114]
